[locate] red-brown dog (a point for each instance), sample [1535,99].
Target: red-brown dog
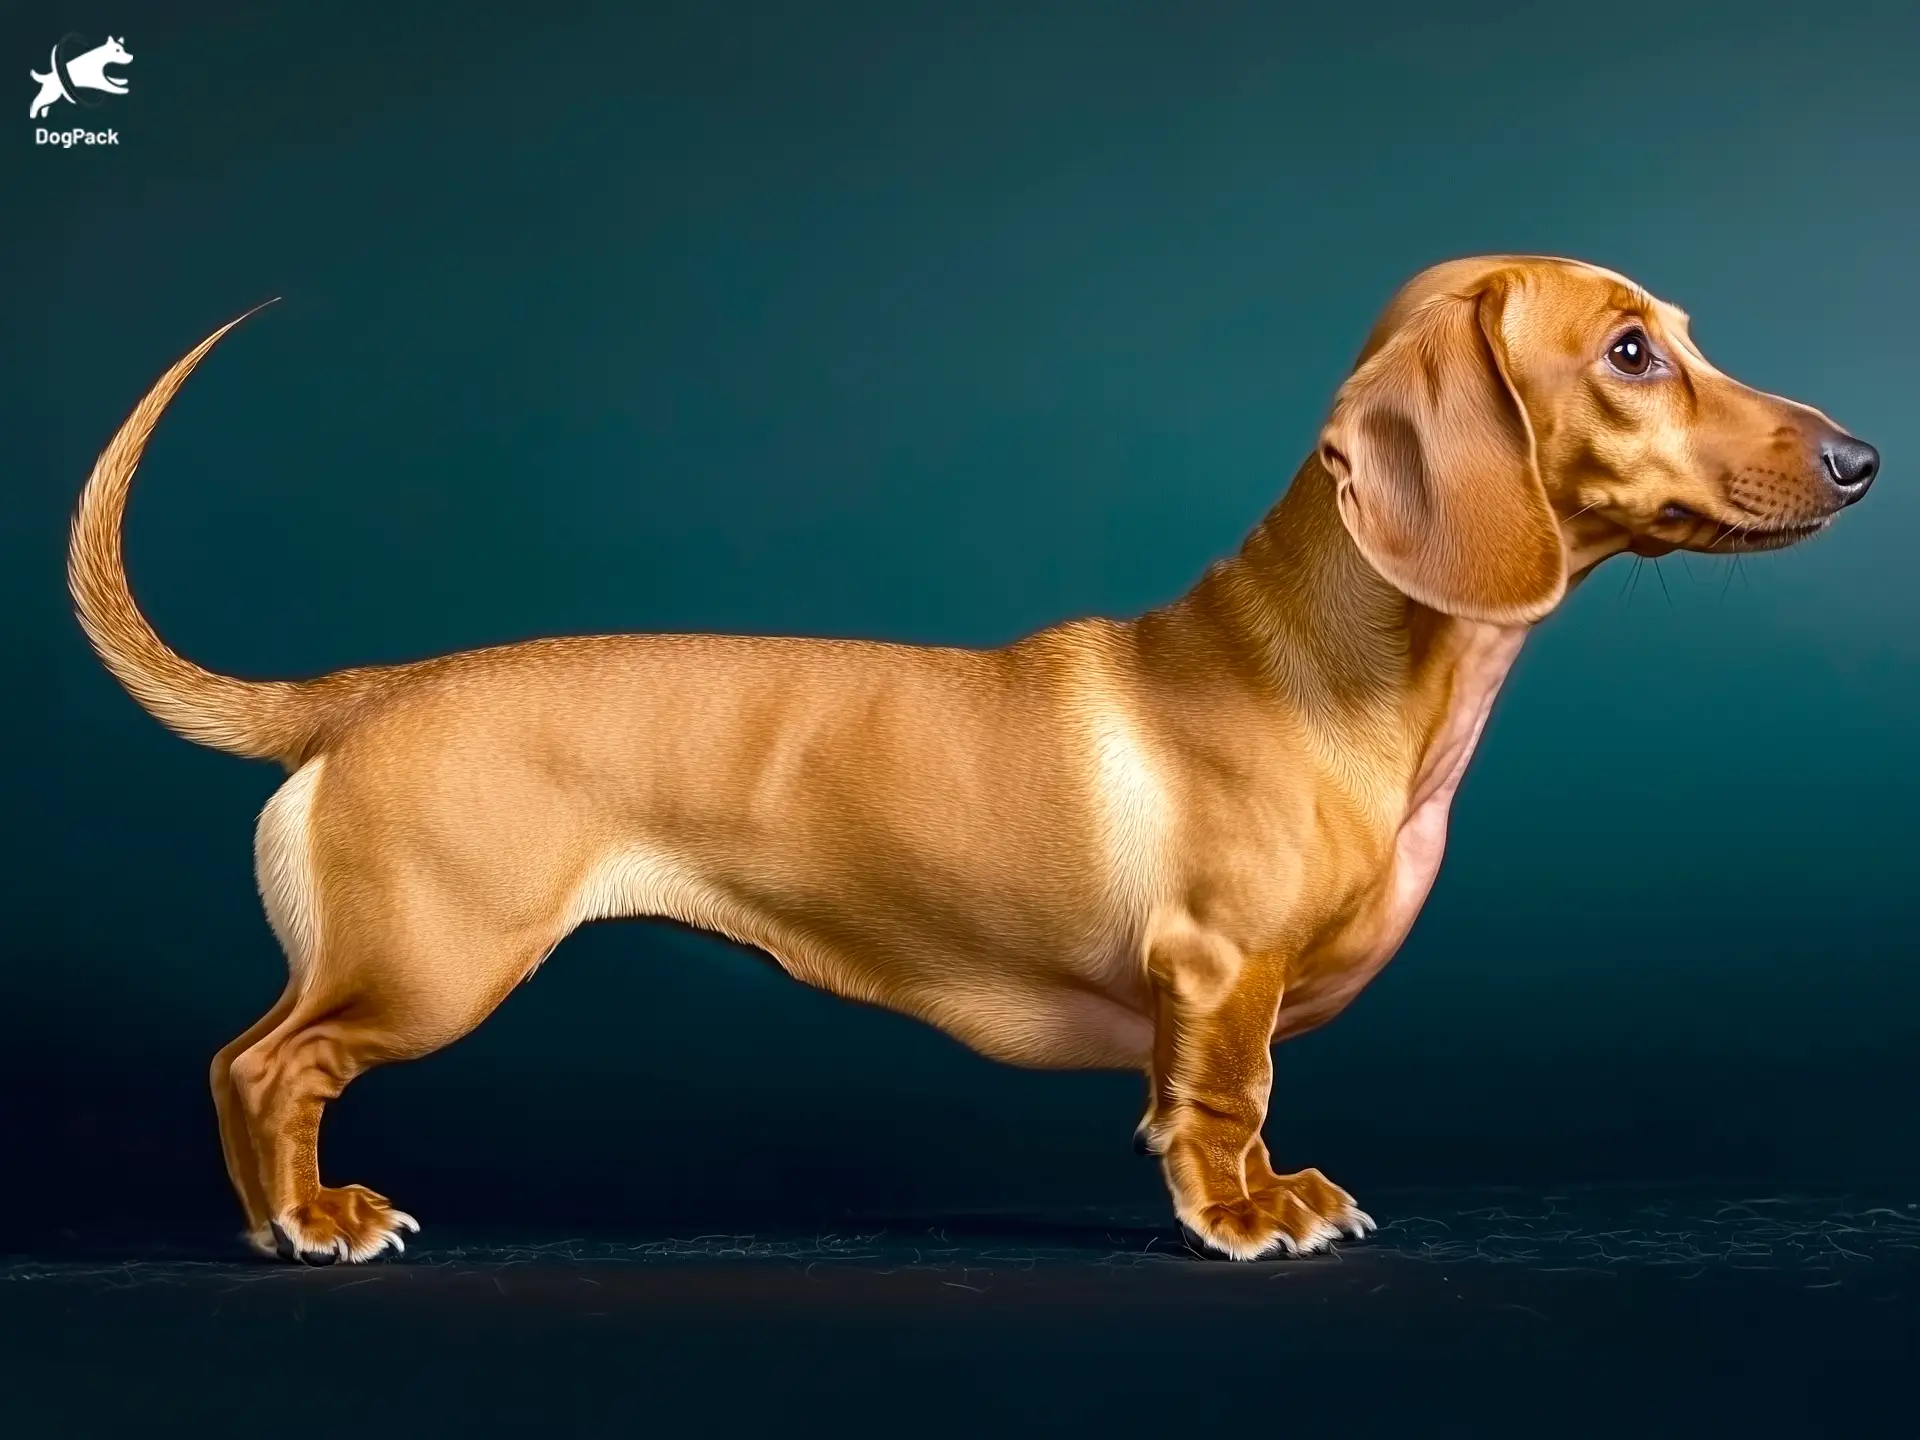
[1162,844]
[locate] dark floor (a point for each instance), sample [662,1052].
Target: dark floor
[1615,1312]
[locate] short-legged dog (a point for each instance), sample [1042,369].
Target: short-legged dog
[1159,844]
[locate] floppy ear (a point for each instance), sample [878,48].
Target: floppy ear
[1432,459]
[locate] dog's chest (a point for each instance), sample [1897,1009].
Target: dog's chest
[1368,939]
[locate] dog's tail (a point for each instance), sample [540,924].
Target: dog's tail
[262,720]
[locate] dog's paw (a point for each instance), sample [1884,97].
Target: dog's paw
[1235,1230]
[351,1224]
[1287,1215]
[1313,1210]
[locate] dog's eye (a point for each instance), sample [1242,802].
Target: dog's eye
[1630,354]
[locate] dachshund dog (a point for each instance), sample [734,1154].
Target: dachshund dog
[1160,844]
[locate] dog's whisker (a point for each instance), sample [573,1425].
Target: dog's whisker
[1585,508]
[1633,582]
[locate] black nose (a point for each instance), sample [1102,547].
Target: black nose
[1852,463]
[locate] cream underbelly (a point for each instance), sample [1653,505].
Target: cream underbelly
[1018,1016]
[1015,1014]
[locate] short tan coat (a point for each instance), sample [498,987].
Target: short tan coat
[1159,844]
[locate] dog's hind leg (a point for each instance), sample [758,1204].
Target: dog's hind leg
[243,1166]
[378,992]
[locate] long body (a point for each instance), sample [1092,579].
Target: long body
[987,840]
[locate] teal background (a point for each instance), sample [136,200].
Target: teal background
[941,323]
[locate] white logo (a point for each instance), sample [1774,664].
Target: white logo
[86,71]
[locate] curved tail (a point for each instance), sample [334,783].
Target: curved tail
[261,720]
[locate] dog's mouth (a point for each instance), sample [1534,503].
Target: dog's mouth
[1743,539]
[1684,528]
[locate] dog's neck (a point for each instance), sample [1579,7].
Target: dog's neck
[1343,648]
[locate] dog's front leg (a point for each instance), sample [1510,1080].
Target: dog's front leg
[1215,1008]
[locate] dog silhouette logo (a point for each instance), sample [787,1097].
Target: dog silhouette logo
[68,74]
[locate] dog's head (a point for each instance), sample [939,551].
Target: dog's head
[1513,420]
[114,52]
